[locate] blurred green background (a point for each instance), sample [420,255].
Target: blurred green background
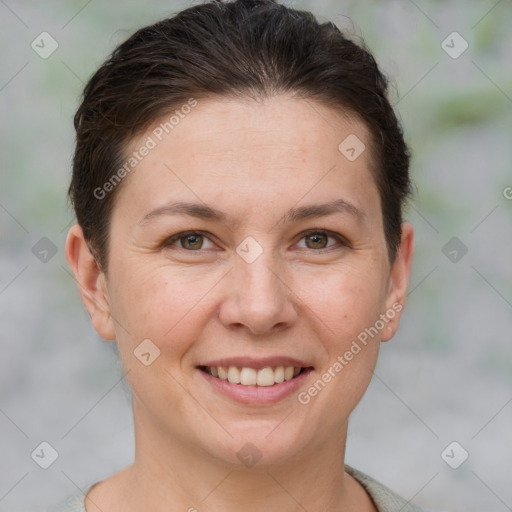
[446,376]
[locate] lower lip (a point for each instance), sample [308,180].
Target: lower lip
[256,395]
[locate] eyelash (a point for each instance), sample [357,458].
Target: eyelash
[341,239]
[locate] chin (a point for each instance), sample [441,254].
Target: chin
[258,442]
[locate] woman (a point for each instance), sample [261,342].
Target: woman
[238,181]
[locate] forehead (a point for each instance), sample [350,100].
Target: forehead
[227,125]
[247,154]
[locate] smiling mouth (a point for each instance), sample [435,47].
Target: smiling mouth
[245,376]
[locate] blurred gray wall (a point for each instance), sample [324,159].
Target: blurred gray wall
[447,375]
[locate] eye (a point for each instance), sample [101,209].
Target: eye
[191,241]
[317,239]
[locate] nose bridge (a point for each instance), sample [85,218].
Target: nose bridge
[259,298]
[256,271]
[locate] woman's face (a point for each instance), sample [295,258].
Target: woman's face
[253,289]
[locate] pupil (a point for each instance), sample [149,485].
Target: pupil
[315,237]
[189,237]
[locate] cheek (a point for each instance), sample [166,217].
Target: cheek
[161,304]
[163,307]
[346,300]
[346,311]
[346,317]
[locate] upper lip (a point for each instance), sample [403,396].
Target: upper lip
[258,363]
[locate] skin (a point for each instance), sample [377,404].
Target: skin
[254,161]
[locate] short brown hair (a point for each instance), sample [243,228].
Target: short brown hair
[249,48]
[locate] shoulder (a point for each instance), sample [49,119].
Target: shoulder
[385,499]
[74,503]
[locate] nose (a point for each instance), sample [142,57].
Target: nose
[258,297]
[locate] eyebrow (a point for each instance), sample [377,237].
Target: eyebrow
[203,211]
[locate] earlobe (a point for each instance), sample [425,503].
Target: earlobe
[91,282]
[399,279]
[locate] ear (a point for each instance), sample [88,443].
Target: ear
[91,282]
[399,279]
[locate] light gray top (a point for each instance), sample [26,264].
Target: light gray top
[385,499]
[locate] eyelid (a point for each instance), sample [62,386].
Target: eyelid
[331,234]
[168,242]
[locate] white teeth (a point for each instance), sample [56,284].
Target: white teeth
[265,377]
[279,374]
[248,377]
[234,375]
[251,377]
